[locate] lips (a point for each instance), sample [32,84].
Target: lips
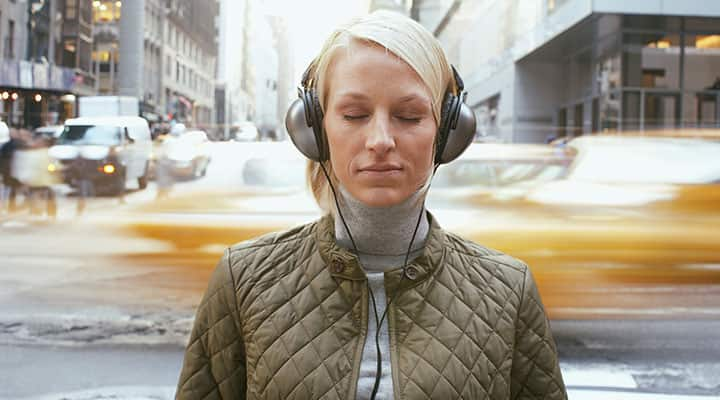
[382,167]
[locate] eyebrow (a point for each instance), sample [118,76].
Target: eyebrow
[413,97]
[352,96]
[360,96]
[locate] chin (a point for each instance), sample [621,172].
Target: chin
[385,197]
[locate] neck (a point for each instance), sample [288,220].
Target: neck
[381,231]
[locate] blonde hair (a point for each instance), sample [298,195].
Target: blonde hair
[401,36]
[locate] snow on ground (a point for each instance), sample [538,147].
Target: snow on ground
[114,393]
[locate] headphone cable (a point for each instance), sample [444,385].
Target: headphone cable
[378,322]
[404,274]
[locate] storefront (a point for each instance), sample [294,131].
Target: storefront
[631,73]
[34,94]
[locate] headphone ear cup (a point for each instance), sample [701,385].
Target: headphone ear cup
[300,127]
[443,127]
[460,127]
[317,125]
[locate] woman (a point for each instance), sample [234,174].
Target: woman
[296,314]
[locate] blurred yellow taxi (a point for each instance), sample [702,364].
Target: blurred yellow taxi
[630,229]
[612,227]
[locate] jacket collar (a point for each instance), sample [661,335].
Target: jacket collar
[344,264]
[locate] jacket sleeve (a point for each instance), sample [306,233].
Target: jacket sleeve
[535,370]
[214,364]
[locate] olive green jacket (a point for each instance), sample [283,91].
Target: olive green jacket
[285,317]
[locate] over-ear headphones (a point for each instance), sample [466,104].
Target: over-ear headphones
[304,122]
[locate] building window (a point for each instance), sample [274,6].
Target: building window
[487,117]
[70,9]
[69,53]
[702,62]
[10,40]
[106,11]
[701,80]
[651,60]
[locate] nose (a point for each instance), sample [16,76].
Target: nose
[380,139]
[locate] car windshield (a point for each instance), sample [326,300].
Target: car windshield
[274,173]
[90,135]
[496,173]
[46,132]
[677,161]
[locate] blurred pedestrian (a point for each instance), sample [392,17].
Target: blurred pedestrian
[164,177]
[29,168]
[10,185]
[374,300]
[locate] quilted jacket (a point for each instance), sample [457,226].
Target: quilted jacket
[285,317]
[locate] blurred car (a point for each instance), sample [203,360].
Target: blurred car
[264,191]
[49,133]
[495,169]
[185,155]
[106,151]
[244,132]
[177,129]
[611,227]
[4,133]
[628,230]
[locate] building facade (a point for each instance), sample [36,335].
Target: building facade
[164,53]
[44,60]
[542,69]
[259,67]
[232,101]
[77,43]
[190,56]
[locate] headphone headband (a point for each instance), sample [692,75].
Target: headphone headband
[304,121]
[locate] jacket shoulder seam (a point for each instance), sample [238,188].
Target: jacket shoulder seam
[491,257]
[245,246]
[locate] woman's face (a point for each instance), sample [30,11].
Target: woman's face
[380,127]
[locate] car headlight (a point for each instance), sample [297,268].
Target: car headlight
[107,169]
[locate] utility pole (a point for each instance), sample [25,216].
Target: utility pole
[130,74]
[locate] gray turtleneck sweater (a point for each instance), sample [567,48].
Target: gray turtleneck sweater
[382,236]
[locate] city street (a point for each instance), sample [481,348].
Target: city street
[81,318]
[140,139]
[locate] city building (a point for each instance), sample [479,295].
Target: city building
[541,69]
[232,102]
[190,58]
[77,42]
[44,60]
[265,74]
[127,51]
[164,53]
[260,66]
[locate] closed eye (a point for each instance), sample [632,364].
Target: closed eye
[354,117]
[413,120]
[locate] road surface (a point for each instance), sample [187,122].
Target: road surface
[77,321]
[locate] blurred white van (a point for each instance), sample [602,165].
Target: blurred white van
[108,151]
